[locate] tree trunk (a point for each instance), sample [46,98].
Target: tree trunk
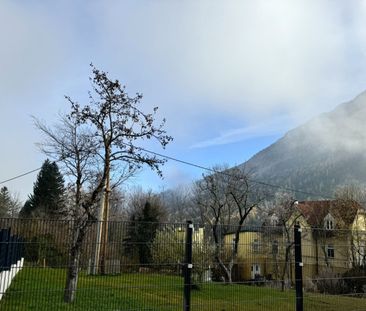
[227,270]
[285,267]
[72,278]
[74,259]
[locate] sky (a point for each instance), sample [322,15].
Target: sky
[230,77]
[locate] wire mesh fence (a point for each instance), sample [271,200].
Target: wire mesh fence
[144,266]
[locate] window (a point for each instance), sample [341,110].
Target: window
[330,251]
[256,245]
[275,247]
[274,220]
[329,224]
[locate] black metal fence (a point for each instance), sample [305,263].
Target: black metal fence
[185,266]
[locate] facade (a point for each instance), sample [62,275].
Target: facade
[334,236]
[333,241]
[251,258]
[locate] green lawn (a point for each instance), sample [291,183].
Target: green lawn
[41,289]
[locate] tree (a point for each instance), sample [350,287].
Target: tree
[168,249]
[180,204]
[9,203]
[145,217]
[103,135]
[4,201]
[283,216]
[47,200]
[226,199]
[348,197]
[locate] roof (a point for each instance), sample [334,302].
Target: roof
[244,230]
[315,211]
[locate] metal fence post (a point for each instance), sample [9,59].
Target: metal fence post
[298,269]
[187,269]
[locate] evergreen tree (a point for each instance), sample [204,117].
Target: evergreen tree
[144,223]
[5,202]
[47,200]
[147,224]
[9,203]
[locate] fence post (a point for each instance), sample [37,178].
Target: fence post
[187,269]
[298,269]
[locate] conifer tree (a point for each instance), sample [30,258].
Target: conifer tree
[9,203]
[5,201]
[47,200]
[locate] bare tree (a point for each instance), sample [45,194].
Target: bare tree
[178,202]
[225,199]
[283,216]
[351,198]
[102,134]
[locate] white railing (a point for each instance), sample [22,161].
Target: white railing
[7,276]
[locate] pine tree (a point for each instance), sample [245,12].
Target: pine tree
[9,203]
[143,225]
[5,201]
[147,224]
[47,200]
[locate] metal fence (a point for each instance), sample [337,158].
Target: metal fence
[185,266]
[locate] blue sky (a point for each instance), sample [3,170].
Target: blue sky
[230,77]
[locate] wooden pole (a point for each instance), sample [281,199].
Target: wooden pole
[105,225]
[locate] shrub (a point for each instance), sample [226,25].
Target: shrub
[329,282]
[355,280]
[43,247]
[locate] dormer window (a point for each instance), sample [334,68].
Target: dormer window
[329,222]
[329,225]
[274,220]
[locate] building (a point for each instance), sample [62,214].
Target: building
[333,241]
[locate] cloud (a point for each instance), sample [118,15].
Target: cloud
[231,63]
[270,128]
[240,57]
[342,130]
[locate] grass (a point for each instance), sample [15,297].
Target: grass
[41,289]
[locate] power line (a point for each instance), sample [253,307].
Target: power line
[228,174]
[203,168]
[19,176]
[24,174]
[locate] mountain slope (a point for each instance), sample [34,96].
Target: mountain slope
[327,152]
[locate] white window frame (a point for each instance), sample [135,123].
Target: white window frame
[329,222]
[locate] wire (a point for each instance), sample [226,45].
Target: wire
[24,174]
[19,176]
[203,168]
[228,174]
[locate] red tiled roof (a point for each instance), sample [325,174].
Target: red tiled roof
[315,211]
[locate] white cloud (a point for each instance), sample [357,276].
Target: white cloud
[235,61]
[269,128]
[240,57]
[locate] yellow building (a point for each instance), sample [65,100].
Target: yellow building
[250,263]
[333,237]
[333,240]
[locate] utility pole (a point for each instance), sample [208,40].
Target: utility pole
[99,235]
[105,225]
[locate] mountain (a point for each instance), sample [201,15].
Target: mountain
[327,152]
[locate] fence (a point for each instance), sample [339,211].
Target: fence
[185,266]
[11,258]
